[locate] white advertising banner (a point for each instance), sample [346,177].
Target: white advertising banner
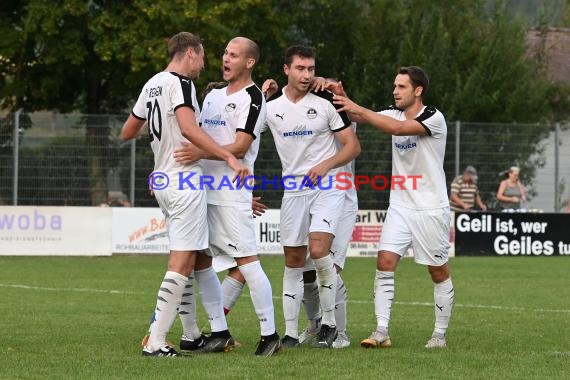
[268,233]
[55,231]
[139,230]
[143,230]
[366,233]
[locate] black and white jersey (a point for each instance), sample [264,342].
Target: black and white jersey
[160,97]
[223,116]
[421,156]
[304,132]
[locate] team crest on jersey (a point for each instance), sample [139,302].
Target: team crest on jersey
[312,113]
[230,107]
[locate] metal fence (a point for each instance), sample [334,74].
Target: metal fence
[71,159]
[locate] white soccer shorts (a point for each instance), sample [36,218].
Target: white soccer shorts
[317,211]
[185,214]
[426,231]
[232,231]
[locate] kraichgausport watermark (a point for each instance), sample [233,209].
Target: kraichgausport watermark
[339,181]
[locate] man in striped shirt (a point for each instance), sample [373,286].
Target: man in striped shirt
[465,193]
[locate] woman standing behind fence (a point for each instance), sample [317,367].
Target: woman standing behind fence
[511,192]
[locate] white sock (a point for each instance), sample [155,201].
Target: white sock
[261,295]
[326,278]
[340,304]
[443,295]
[167,302]
[187,310]
[212,299]
[383,297]
[292,298]
[311,303]
[231,289]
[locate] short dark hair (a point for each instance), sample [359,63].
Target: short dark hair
[418,77]
[300,51]
[179,44]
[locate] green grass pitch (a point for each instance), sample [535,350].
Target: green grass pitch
[83,318]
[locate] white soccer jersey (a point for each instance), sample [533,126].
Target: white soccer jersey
[160,97]
[303,133]
[420,155]
[222,118]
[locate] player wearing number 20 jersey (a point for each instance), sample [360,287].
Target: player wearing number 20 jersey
[161,96]
[167,104]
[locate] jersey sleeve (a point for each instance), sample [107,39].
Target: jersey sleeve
[139,110]
[390,111]
[337,120]
[433,122]
[252,117]
[181,94]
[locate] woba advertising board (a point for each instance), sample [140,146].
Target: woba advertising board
[55,231]
[512,234]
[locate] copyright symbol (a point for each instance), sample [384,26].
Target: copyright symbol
[158,181]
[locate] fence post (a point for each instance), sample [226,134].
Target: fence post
[556,167]
[133,167]
[457,149]
[16,144]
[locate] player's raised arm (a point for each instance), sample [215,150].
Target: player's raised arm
[384,123]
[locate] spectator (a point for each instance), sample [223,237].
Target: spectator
[465,193]
[511,192]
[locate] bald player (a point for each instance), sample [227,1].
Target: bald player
[232,116]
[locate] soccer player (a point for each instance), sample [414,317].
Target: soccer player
[339,247]
[168,104]
[418,215]
[304,126]
[233,117]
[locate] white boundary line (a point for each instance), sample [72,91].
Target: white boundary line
[86,290]
[428,304]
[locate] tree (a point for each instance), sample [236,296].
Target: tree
[87,56]
[93,56]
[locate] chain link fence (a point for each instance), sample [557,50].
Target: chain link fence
[72,159]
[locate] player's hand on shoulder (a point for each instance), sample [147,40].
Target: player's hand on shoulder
[269,88]
[187,153]
[346,105]
[336,88]
[318,84]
